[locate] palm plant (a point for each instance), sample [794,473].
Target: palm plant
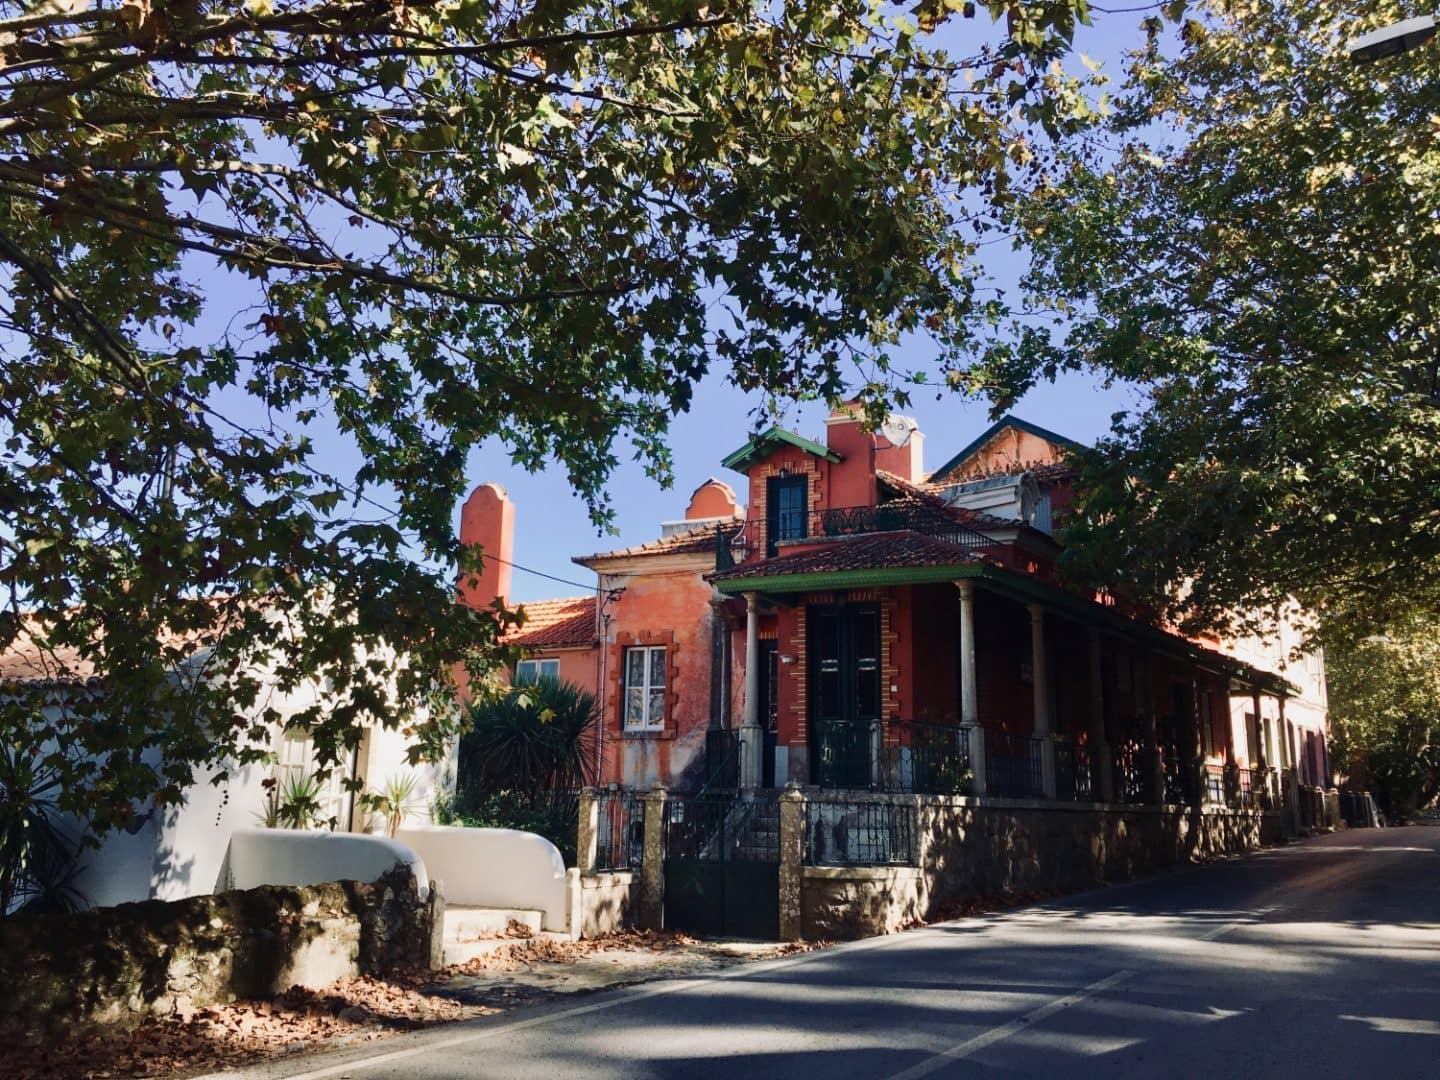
[38,859]
[534,739]
[298,802]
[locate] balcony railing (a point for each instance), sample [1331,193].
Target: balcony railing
[1013,766]
[1074,774]
[733,542]
[900,756]
[1135,775]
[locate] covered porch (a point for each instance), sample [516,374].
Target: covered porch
[969,678]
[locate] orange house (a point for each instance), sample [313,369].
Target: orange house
[858,623]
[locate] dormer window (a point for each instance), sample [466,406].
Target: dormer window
[787,510]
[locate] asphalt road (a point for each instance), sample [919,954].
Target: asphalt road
[1321,959]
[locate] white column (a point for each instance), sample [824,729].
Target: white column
[1040,698]
[969,695]
[751,742]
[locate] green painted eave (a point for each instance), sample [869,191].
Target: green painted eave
[822,581]
[761,445]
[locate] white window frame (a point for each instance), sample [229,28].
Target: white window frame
[295,757]
[529,672]
[639,711]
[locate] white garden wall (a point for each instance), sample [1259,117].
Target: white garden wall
[287,857]
[500,868]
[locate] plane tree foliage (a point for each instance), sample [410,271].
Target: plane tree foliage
[1385,715]
[1251,238]
[410,226]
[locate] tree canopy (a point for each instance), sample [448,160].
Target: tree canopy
[1385,713]
[1252,238]
[418,225]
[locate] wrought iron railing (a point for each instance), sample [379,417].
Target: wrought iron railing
[724,827]
[928,759]
[1013,766]
[1181,778]
[856,833]
[844,521]
[620,839]
[1074,773]
[1134,773]
[1246,792]
[898,756]
[1216,790]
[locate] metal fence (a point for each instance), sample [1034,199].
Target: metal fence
[1134,773]
[855,833]
[722,759]
[724,827]
[1074,772]
[1013,766]
[620,839]
[896,756]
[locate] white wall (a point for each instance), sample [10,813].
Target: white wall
[288,857]
[500,868]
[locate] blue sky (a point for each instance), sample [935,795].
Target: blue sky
[552,525]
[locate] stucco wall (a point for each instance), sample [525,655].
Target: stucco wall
[499,868]
[288,857]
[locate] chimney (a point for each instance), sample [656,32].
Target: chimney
[906,462]
[852,480]
[487,520]
[713,499]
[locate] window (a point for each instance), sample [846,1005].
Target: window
[645,688]
[529,671]
[787,508]
[296,768]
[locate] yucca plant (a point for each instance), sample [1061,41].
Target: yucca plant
[299,799]
[533,739]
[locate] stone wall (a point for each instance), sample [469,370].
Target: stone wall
[966,849]
[604,902]
[122,964]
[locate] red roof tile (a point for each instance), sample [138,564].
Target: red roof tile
[869,551]
[556,624]
[700,538]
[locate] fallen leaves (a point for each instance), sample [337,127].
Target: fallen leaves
[351,1010]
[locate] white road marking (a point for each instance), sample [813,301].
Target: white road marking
[976,1043]
[356,1065]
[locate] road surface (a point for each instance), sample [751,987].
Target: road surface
[1321,959]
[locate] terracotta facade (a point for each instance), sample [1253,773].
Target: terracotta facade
[880,536]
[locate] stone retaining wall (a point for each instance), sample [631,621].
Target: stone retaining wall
[968,849]
[122,964]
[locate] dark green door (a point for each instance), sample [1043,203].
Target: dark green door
[844,681]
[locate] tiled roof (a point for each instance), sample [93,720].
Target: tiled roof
[25,661]
[556,624]
[930,497]
[1043,472]
[870,551]
[700,538]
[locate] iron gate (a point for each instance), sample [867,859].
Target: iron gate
[722,865]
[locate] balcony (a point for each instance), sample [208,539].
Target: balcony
[734,543]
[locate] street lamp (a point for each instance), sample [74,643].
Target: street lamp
[1392,40]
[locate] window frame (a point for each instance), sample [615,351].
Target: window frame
[538,665]
[774,487]
[648,687]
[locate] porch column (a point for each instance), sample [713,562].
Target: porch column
[1101,766]
[751,743]
[1040,698]
[1152,732]
[969,696]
